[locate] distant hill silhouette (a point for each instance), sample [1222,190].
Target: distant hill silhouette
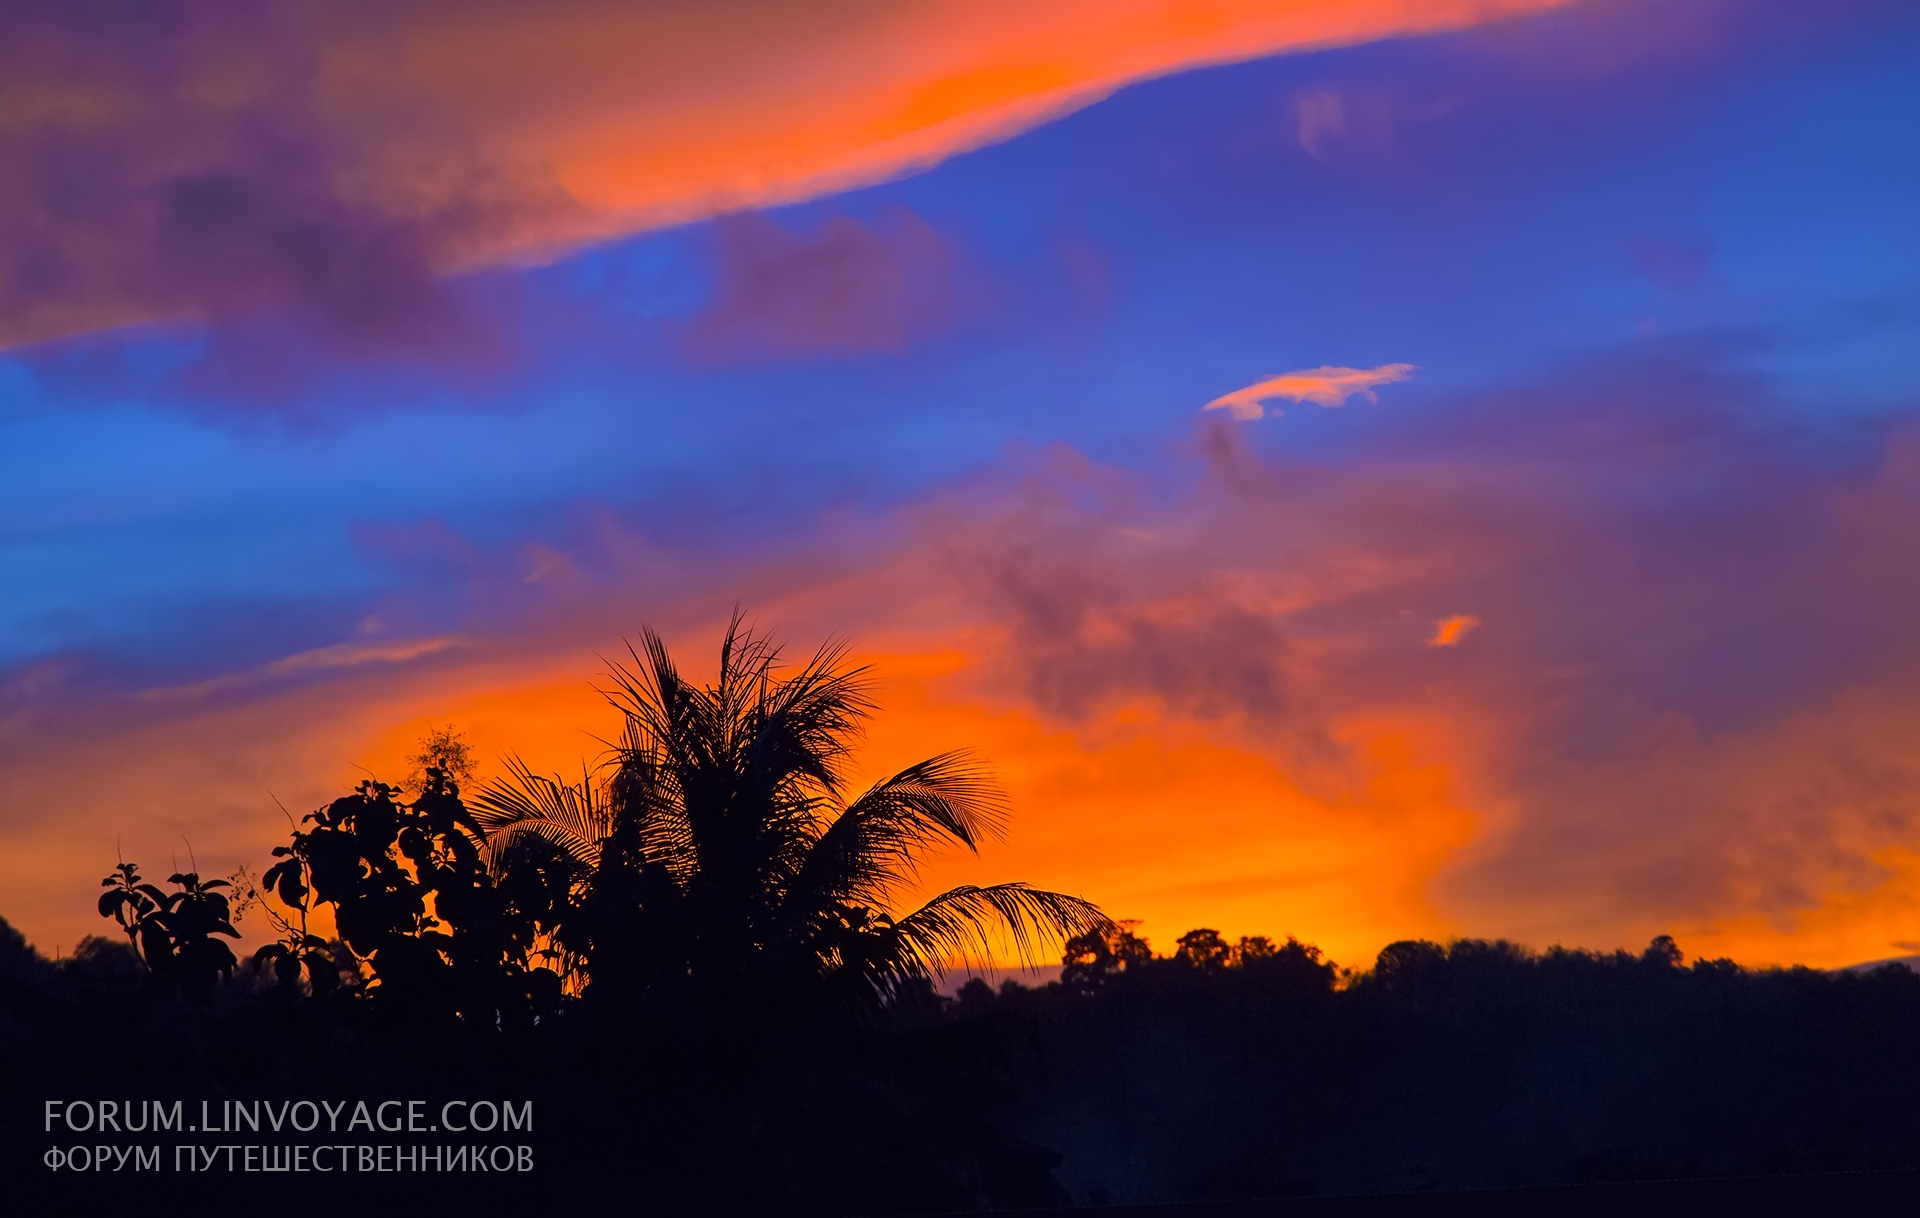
[1907,962]
[952,983]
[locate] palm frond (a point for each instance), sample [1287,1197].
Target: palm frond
[804,726]
[743,762]
[874,843]
[964,925]
[649,694]
[574,817]
[951,792]
[645,803]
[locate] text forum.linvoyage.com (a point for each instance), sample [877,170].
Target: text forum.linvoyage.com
[117,1116]
[106,1116]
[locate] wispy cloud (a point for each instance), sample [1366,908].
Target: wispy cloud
[847,287]
[317,660]
[1325,386]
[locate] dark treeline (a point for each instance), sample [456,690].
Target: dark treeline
[1474,1065]
[689,962]
[1471,1065]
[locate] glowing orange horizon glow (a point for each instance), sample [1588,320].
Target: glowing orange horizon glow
[1091,806]
[1201,718]
[1169,822]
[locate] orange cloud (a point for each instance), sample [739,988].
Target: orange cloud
[832,98]
[1448,632]
[1324,386]
[388,144]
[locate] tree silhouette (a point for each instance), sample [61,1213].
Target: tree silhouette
[1663,951]
[1092,959]
[730,904]
[719,846]
[1205,950]
[1253,948]
[444,749]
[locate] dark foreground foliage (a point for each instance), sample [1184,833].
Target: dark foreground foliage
[758,1111]
[690,960]
[1465,1066]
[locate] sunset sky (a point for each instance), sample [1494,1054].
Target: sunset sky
[1358,469]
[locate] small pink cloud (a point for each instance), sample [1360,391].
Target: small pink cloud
[1321,116]
[1326,386]
[1447,632]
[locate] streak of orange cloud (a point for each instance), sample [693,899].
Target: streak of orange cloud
[401,141]
[805,106]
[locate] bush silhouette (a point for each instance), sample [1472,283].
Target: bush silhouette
[173,932]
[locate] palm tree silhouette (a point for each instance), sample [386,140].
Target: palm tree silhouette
[718,846]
